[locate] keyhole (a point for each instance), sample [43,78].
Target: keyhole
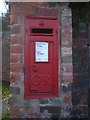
[34,66]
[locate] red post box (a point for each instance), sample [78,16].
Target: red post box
[41,58]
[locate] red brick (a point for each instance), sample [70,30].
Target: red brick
[13,19]
[15,58]
[67,99]
[16,48]
[80,42]
[66,41]
[66,51]
[15,67]
[14,90]
[23,8]
[66,30]
[67,79]
[29,110]
[67,68]
[83,101]
[15,29]
[14,111]
[48,12]
[14,39]
[14,77]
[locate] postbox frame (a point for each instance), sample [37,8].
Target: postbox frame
[47,38]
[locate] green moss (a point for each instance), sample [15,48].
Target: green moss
[5,91]
[5,95]
[5,117]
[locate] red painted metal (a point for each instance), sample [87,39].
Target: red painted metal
[41,77]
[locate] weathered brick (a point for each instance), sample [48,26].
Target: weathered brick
[67,59]
[67,99]
[13,101]
[15,29]
[16,48]
[12,78]
[66,31]
[84,109]
[43,101]
[66,21]
[14,90]
[67,68]
[14,58]
[66,12]
[51,109]
[84,101]
[64,35]
[13,19]
[29,110]
[66,41]
[16,67]
[14,39]
[14,111]
[66,51]
[22,9]
[67,79]
[47,12]
[15,77]
[80,42]
[67,74]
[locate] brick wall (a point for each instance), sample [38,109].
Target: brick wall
[60,106]
[80,89]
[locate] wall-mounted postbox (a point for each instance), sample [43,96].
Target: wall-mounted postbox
[41,58]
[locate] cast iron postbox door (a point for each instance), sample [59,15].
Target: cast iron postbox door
[41,58]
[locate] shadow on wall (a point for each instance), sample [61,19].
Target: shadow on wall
[81,60]
[5,47]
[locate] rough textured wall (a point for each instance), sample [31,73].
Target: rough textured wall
[66,62]
[1,56]
[60,106]
[5,56]
[81,60]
